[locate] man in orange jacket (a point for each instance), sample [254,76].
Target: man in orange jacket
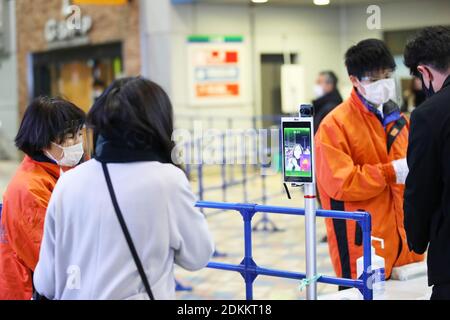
[360,162]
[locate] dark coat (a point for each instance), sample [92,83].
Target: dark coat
[427,193]
[324,105]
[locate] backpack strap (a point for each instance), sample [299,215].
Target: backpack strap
[394,132]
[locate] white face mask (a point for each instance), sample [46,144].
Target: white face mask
[318,91]
[380,92]
[71,155]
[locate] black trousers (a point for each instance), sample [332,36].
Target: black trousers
[441,292]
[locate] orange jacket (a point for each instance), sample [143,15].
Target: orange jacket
[24,206]
[354,172]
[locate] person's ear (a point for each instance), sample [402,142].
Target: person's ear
[357,84]
[427,75]
[354,81]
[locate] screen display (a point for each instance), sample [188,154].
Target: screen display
[297,152]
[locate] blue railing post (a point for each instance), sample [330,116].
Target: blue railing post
[244,169]
[367,273]
[188,158]
[249,265]
[224,168]
[200,171]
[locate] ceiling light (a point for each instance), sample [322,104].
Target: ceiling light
[260,1]
[321,2]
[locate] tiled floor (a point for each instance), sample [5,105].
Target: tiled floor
[282,250]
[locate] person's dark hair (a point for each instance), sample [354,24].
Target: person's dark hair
[430,46]
[368,56]
[138,113]
[331,77]
[48,120]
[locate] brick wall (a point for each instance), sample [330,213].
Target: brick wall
[110,24]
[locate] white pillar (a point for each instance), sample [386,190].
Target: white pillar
[162,25]
[8,85]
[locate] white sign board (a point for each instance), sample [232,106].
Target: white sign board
[292,87]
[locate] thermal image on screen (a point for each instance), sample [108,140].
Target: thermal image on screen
[297,152]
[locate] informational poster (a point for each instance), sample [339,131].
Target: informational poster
[292,87]
[215,70]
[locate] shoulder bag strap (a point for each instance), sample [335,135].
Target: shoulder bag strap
[126,233]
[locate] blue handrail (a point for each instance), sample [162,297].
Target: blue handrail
[250,270]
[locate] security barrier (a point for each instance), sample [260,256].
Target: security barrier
[250,270]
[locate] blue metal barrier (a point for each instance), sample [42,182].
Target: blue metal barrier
[250,270]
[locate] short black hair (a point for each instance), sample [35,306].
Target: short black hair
[137,113]
[331,77]
[368,56]
[430,46]
[47,120]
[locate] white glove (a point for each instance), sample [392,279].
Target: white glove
[401,170]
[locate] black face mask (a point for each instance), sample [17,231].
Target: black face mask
[428,91]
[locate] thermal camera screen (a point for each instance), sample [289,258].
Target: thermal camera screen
[297,152]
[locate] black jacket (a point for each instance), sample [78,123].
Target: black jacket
[427,192]
[324,105]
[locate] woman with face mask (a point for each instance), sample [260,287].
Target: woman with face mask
[51,137]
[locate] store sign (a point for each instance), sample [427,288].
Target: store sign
[62,30]
[73,26]
[215,69]
[102,2]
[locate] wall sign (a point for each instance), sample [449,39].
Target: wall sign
[215,69]
[59,30]
[73,27]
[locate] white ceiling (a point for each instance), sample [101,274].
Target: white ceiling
[301,2]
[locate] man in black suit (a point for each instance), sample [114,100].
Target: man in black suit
[427,190]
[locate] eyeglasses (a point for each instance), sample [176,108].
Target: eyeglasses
[373,78]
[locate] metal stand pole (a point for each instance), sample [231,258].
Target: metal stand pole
[310,230]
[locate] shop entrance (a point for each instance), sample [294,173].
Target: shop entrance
[77,74]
